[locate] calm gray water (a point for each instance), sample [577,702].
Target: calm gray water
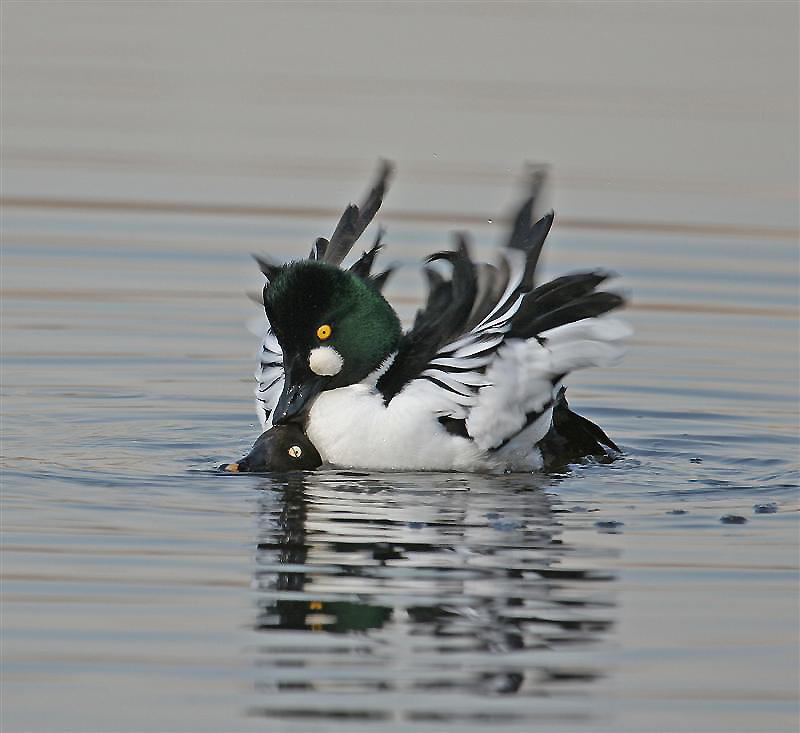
[142,591]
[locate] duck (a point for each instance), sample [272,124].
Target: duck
[476,384]
[280,449]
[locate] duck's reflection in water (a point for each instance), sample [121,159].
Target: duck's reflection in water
[388,596]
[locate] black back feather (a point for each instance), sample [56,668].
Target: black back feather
[463,289]
[363,265]
[380,279]
[318,249]
[439,290]
[585,306]
[550,297]
[443,317]
[491,282]
[563,300]
[355,220]
[570,286]
[526,234]
[343,237]
[531,241]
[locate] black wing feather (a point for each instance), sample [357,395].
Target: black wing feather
[380,279]
[586,306]
[355,220]
[553,295]
[318,249]
[445,313]
[363,265]
[526,235]
[491,282]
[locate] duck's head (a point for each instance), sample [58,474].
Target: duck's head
[334,328]
[281,448]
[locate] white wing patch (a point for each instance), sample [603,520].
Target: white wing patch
[525,378]
[269,374]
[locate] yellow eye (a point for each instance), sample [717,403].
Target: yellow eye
[324,332]
[295,451]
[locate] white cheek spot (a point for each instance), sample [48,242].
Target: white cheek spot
[325,361]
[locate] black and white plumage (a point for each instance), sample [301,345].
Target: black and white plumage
[355,219]
[477,380]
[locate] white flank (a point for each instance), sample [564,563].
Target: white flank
[325,361]
[522,373]
[352,427]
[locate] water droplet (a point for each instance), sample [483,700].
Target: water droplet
[610,527]
[732,519]
[769,508]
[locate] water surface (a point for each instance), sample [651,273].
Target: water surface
[143,591]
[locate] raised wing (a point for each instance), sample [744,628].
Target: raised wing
[471,320]
[473,324]
[460,366]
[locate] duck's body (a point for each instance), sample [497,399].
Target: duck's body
[508,418]
[472,386]
[351,426]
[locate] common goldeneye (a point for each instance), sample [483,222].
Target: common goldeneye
[474,385]
[281,448]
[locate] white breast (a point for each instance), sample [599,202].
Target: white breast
[352,427]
